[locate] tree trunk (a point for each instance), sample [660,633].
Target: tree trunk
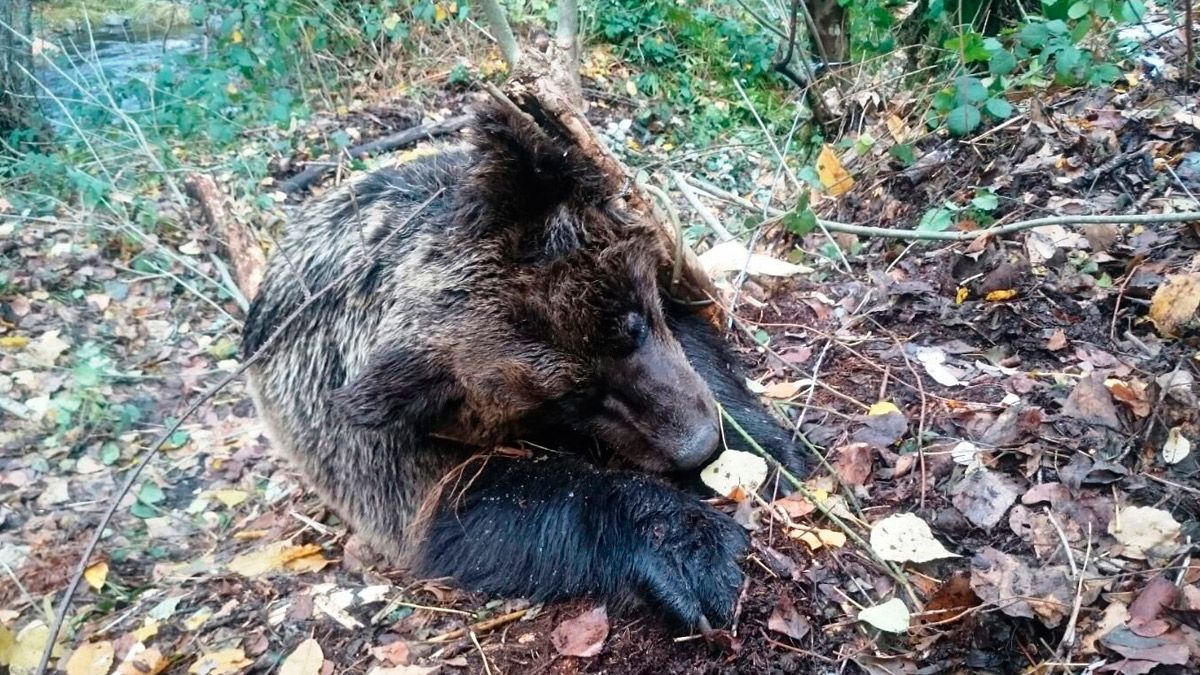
[828,24]
[16,64]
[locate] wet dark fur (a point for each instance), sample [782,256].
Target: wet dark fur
[520,303]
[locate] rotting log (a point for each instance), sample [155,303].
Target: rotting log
[241,245]
[544,87]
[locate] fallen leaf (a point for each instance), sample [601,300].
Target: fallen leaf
[833,175]
[983,496]
[46,348]
[1091,402]
[1170,649]
[949,600]
[143,661]
[1000,295]
[271,558]
[1046,592]
[1173,309]
[904,537]
[1115,614]
[14,341]
[892,616]
[853,463]
[733,256]
[224,662]
[934,360]
[1132,394]
[817,538]
[1177,447]
[582,635]
[1143,530]
[786,390]
[27,648]
[90,658]
[787,620]
[147,630]
[306,659]
[96,574]
[735,474]
[1057,340]
[883,408]
[395,653]
[230,498]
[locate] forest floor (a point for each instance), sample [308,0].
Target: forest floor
[1012,393]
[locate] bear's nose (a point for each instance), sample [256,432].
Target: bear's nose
[698,447]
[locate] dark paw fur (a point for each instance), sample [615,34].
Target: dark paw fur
[687,565]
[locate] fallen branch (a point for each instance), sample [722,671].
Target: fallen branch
[242,247]
[480,627]
[922,235]
[114,503]
[385,144]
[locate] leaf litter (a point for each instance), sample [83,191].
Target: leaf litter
[1009,423]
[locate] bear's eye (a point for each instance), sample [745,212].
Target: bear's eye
[635,328]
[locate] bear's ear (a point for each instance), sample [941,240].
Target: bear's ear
[523,176]
[397,387]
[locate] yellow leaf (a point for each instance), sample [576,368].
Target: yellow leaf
[897,128]
[27,648]
[784,390]
[148,630]
[309,563]
[883,408]
[631,88]
[231,498]
[271,558]
[834,177]
[13,341]
[224,662]
[193,622]
[96,574]
[817,538]
[439,13]
[961,295]
[236,38]
[1176,304]
[307,659]
[90,658]
[1001,296]
[7,642]
[142,661]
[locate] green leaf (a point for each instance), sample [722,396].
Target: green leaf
[986,200]
[1079,10]
[150,493]
[140,510]
[936,220]
[1033,35]
[903,153]
[998,108]
[762,337]
[1002,63]
[109,453]
[963,120]
[969,90]
[1057,27]
[800,222]
[1132,11]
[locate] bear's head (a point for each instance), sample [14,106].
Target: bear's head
[547,310]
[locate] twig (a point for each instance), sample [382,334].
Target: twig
[834,226]
[384,144]
[487,669]
[65,605]
[480,627]
[703,211]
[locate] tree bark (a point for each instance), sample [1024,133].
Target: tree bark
[16,64]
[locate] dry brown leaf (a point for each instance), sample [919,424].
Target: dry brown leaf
[583,635]
[306,659]
[787,620]
[1144,529]
[1131,393]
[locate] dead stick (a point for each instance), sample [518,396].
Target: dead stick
[64,606]
[480,627]
[384,144]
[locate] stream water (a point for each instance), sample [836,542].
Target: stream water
[110,56]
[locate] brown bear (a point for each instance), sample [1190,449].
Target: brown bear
[493,296]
